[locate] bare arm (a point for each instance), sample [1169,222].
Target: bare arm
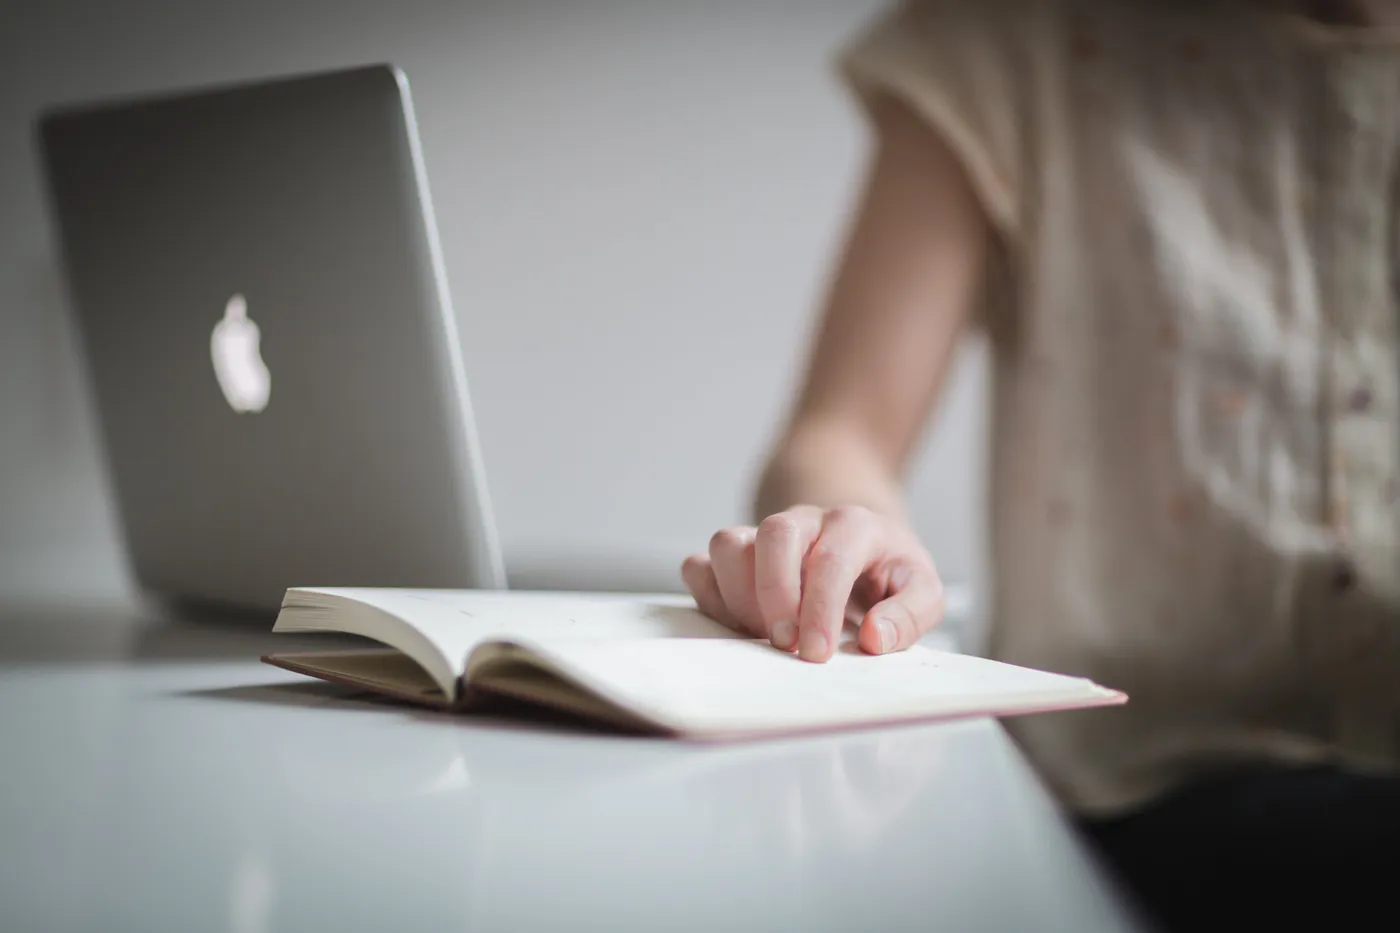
[832,534]
[906,281]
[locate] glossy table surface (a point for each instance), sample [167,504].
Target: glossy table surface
[155,776]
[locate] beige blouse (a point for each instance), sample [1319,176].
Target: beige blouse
[1194,441]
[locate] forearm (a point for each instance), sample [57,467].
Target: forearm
[828,464]
[909,275]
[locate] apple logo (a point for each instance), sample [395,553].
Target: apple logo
[238,364]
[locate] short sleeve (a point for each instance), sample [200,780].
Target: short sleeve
[960,65]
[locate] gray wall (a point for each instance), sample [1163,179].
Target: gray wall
[598,168]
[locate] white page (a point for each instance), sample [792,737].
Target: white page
[743,686]
[454,622]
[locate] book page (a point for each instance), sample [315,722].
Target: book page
[450,623]
[737,687]
[390,673]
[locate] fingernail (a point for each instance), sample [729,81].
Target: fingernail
[814,645]
[784,635]
[888,636]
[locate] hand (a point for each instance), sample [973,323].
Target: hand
[798,576]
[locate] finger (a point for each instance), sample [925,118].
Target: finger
[841,552]
[779,548]
[898,621]
[732,556]
[699,578]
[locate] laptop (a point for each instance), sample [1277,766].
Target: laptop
[271,348]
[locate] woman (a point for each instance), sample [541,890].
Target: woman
[1176,224]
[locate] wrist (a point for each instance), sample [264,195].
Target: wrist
[828,472]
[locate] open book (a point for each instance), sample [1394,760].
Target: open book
[653,665]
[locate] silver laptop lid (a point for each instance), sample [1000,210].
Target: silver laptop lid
[269,338]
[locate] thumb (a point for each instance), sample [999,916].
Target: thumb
[906,615]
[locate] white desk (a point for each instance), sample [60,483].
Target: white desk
[162,779]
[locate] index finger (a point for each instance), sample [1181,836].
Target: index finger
[836,560]
[781,547]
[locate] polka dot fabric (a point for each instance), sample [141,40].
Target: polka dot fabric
[1194,444]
